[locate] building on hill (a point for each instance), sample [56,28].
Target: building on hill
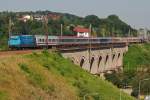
[82,32]
[54,16]
[25,18]
[143,33]
[39,17]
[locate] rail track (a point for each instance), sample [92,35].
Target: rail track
[62,48]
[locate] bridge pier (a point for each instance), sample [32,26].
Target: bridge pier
[98,61]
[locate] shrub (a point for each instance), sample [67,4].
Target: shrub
[24,67]
[35,54]
[45,52]
[3,96]
[46,65]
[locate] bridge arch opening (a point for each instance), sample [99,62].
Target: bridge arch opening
[82,61]
[91,62]
[106,59]
[72,60]
[119,55]
[113,57]
[99,61]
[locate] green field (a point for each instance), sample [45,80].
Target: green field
[48,76]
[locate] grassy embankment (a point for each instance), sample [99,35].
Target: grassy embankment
[48,76]
[137,57]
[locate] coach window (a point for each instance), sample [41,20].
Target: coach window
[86,40]
[39,40]
[49,40]
[42,40]
[53,40]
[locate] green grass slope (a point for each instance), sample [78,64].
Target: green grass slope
[3,42]
[48,76]
[138,56]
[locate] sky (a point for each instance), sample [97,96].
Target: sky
[134,12]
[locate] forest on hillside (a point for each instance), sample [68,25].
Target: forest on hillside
[110,26]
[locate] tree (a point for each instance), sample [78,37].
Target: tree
[144,87]
[92,19]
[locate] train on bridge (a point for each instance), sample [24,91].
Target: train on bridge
[41,41]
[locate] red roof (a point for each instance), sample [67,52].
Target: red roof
[79,29]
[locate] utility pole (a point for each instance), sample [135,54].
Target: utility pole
[145,34]
[139,91]
[61,30]
[90,34]
[129,33]
[46,30]
[9,28]
[120,95]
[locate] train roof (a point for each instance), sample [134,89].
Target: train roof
[43,36]
[15,36]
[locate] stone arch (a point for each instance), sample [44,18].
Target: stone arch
[119,54]
[115,60]
[106,60]
[82,61]
[99,61]
[91,62]
[99,64]
[113,57]
[72,60]
[119,60]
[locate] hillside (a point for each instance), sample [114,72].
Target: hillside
[138,56]
[136,68]
[48,76]
[111,25]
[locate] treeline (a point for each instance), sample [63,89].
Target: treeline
[110,26]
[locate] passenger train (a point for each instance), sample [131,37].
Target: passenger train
[40,41]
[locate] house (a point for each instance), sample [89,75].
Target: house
[39,17]
[142,33]
[54,16]
[82,32]
[25,18]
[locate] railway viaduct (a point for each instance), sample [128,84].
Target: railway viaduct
[98,61]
